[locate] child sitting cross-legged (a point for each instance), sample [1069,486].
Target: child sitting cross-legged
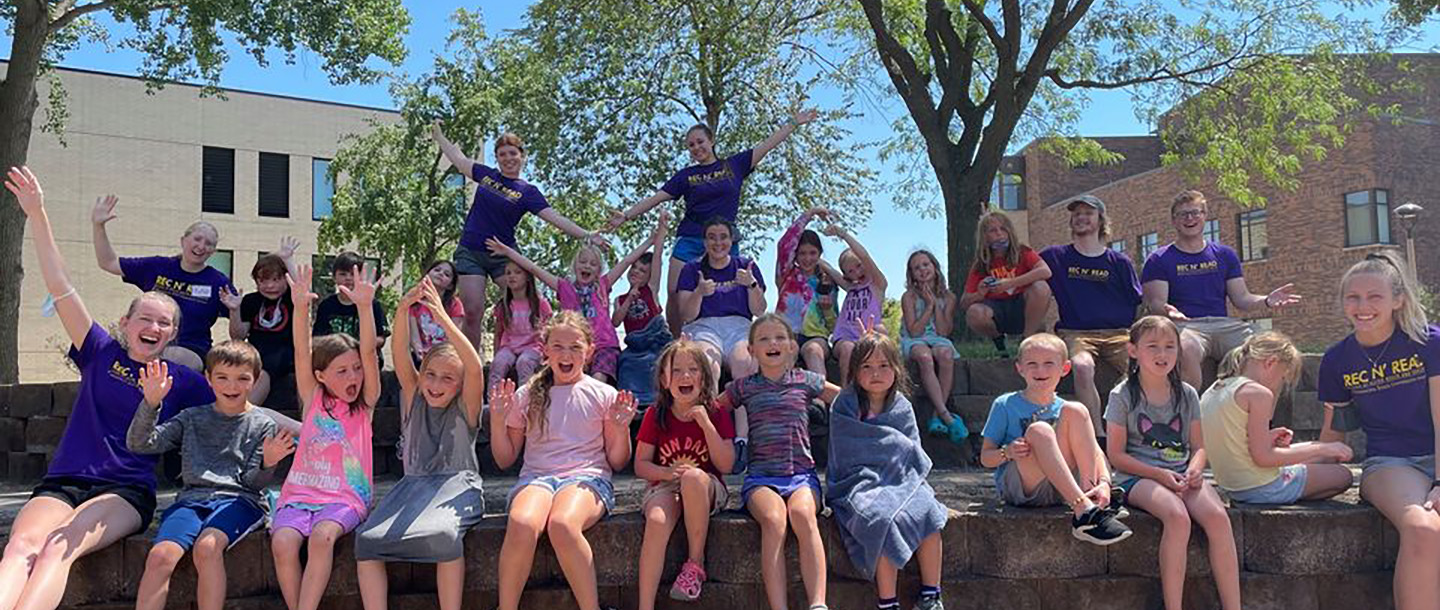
[1044,449]
[228,452]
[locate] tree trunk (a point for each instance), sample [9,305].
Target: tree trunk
[18,103]
[963,192]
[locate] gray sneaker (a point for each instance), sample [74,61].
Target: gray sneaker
[930,603]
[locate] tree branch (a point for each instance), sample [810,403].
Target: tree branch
[977,13]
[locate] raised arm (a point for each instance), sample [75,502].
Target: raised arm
[872,271]
[73,315]
[505,442]
[301,296]
[363,295]
[498,248]
[569,227]
[400,344]
[232,300]
[472,392]
[790,241]
[143,436]
[764,148]
[657,248]
[617,429]
[102,213]
[620,268]
[620,217]
[462,163]
[1245,300]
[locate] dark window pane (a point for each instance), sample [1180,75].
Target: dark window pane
[217,180]
[274,185]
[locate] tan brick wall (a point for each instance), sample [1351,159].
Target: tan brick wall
[146,149]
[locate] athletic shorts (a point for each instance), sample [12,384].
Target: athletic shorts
[1009,315]
[76,491]
[1012,489]
[478,262]
[233,516]
[783,485]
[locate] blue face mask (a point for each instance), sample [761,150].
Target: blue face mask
[1000,245]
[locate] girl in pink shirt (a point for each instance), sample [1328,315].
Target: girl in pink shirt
[518,317]
[425,331]
[574,432]
[328,491]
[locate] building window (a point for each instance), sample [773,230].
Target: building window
[1212,230]
[1263,324]
[223,261]
[1254,241]
[1149,243]
[274,185]
[217,180]
[1367,217]
[322,189]
[1118,246]
[1007,192]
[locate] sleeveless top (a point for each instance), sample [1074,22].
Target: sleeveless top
[438,440]
[1223,423]
[333,459]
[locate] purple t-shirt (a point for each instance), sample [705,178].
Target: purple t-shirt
[198,294]
[1390,384]
[730,298]
[93,445]
[1092,292]
[592,301]
[709,190]
[1197,281]
[500,203]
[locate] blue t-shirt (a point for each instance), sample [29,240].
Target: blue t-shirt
[1092,292]
[1392,392]
[1197,281]
[93,445]
[198,294]
[730,298]
[709,190]
[500,203]
[1010,415]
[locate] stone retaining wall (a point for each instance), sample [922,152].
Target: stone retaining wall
[1328,556]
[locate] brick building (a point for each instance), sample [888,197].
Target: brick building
[1342,210]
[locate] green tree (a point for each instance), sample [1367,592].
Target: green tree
[610,87]
[1266,87]
[180,40]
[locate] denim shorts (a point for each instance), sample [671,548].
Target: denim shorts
[233,516]
[1285,489]
[691,248]
[1424,464]
[603,489]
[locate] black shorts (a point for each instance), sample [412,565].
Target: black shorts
[1009,315]
[76,491]
[478,262]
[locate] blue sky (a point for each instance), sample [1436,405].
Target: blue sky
[1110,113]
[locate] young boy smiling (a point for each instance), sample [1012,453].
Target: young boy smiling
[1044,447]
[228,453]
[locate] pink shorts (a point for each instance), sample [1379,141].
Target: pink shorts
[303,520]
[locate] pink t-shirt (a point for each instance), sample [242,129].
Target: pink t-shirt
[332,461]
[593,302]
[573,442]
[519,334]
[428,330]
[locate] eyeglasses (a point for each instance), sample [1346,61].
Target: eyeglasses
[1187,214]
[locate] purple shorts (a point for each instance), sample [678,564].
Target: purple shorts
[605,360]
[303,520]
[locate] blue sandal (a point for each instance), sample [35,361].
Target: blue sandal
[957,430]
[937,426]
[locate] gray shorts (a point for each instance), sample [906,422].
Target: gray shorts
[478,262]
[1218,335]
[723,332]
[1424,464]
[1012,489]
[1285,489]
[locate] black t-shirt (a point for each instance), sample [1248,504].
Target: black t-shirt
[269,321]
[332,316]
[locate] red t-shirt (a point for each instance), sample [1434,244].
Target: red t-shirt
[642,310]
[683,442]
[1001,271]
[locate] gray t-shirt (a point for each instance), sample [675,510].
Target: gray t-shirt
[1158,435]
[219,454]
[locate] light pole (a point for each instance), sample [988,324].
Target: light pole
[1408,214]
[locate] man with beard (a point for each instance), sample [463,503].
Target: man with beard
[1190,280]
[1097,294]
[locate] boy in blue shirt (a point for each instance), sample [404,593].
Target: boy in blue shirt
[1044,449]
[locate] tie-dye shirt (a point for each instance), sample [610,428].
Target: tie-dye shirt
[778,413]
[332,462]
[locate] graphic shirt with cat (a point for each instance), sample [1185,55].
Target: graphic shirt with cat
[1158,435]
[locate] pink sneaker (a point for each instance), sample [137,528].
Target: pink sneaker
[687,584]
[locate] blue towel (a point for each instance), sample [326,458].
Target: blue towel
[636,369]
[877,483]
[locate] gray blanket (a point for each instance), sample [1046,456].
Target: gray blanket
[877,483]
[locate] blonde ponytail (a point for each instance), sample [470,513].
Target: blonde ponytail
[1262,346]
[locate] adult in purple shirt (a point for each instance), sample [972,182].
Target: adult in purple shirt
[188,279]
[1385,379]
[96,491]
[1191,278]
[502,199]
[718,295]
[1097,294]
[710,187]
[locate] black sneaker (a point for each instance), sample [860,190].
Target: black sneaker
[1100,527]
[1000,346]
[1118,501]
